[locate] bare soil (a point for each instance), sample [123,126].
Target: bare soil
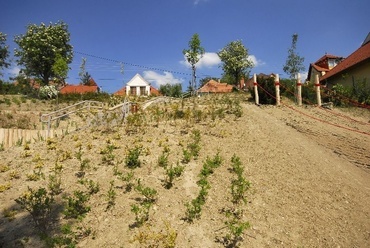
[309,170]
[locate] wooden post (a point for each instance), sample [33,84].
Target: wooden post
[255,89]
[299,90]
[277,89]
[318,94]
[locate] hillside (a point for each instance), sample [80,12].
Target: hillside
[308,170]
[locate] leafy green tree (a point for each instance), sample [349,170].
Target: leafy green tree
[235,61]
[4,52]
[193,55]
[294,62]
[60,69]
[173,90]
[40,48]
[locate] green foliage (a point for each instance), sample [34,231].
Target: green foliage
[132,160]
[171,173]
[60,69]
[267,93]
[173,90]
[193,55]
[4,52]
[111,195]
[38,203]
[240,185]
[128,178]
[76,205]
[55,180]
[141,212]
[150,194]
[294,62]
[235,228]
[39,49]
[48,92]
[235,61]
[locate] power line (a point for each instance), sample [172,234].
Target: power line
[131,64]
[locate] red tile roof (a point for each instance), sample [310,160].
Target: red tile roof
[358,56]
[80,89]
[215,87]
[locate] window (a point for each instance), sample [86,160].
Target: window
[132,91]
[142,91]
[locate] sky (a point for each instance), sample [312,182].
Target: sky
[148,36]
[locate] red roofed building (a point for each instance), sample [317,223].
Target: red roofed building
[353,69]
[215,87]
[322,66]
[79,89]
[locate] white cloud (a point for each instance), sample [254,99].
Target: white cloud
[196,2]
[160,79]
[256,62]
[14,71]
[207,60]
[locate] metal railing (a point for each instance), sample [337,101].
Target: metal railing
[60,113]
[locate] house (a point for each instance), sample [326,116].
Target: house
[90,87]
[355,68]
[322,66]
[215,87]
[137,86]
[79,89]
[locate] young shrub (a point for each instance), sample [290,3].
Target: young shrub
[76,205]
[132,160]
[111,195]
[172,173]
[38,203]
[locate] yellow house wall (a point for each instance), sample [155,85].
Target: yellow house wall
[357,74]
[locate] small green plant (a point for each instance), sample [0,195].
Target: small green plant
[141,212]
[92,187]
[128,178]
[235,228]
[172,173]
[4,168]
[240,185]
[14,175]
[76,205]
[163,159]
[38,203]
[9,214]
[55,180]
[164,238]
[111,195]
[132,160]
[186,156]
[4,187]
[67,238]
[150,194]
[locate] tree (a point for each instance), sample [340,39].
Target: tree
[173,90]
[60,69]
[4,52]
[41,47]
[294,62]
[235,61]
[193,55]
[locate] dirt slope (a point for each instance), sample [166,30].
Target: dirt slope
[310,181]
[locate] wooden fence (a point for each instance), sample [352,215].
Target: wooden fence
[12,137]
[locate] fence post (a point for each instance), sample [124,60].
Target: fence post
[277,89]
[299,90]
[255,89]
[49,126]
[317,86]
